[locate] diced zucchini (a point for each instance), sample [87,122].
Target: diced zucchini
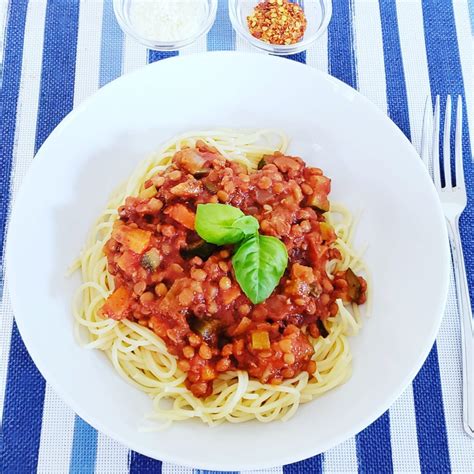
[262,163]
[207,328]
[200,249]
[354,285]
[260,340]
[210,186]
[151,260]
[201,173]
[322,328]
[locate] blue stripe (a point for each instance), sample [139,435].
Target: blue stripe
[84,448]
[139,464]
[221,36]
[341,53]
[23,409]
[111,46]
[445,73]
[204,471]
[312,465]
[21,426]
[397,99]
[299,57]
[154,56]
[430,422]
[374,450]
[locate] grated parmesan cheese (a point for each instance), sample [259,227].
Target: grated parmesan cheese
[167,20]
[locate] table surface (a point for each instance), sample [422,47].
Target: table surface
[57,53]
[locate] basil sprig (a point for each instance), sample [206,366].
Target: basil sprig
[259,261]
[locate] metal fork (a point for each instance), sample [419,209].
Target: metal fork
[453,200]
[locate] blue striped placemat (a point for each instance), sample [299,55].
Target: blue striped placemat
[59,52]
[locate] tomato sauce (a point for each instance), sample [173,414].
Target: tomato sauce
[184,289]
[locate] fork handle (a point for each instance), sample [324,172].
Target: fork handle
[467,328]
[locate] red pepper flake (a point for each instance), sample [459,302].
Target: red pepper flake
[277,22]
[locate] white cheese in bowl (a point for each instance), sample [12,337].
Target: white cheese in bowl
[167,20]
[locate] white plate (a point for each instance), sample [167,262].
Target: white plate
[375,170]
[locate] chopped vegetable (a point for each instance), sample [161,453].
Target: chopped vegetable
[151,260]
[180,213]
[260,340]
[354,285]
[137,240]
[202,173]
[261,163]
[207,328]
[117,303]
[327,232]
[321,188]
[322,328]
[148,193]
[200,249]
[190,160]
[210,186]
[188,188]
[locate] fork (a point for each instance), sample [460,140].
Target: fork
[453,201]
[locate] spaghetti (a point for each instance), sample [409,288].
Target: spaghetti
[142,357]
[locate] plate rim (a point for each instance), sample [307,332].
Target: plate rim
[283,458]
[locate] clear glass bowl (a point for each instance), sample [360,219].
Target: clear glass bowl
[122,9]
[318,14]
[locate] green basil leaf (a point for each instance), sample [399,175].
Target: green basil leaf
[247,224]
[259,263]
[215,224]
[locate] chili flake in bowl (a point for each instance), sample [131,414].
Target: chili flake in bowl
[280,27]
[277,22]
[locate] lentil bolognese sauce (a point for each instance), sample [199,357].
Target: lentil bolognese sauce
[168,309]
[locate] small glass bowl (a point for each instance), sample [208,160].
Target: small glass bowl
[318,14]
[122,13]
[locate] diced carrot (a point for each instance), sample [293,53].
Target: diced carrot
[180,213]
[260,340]
[242,327]
[136,240]
[117,303]
[128,261]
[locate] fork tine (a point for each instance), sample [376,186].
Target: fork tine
[459,167]
[435,147]
[447,144]
[426,132]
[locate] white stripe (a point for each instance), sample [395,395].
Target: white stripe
[241,44]
[273,470]
[341,459]
[317,55]
[461,451]
[403,434]
[88,50]
[3,23]
[112,457]
[57,431]
[168,468]
[412,43]
[369,50]
[466,53]
[134,55]
[410,20]
[199,46]
[25,130]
